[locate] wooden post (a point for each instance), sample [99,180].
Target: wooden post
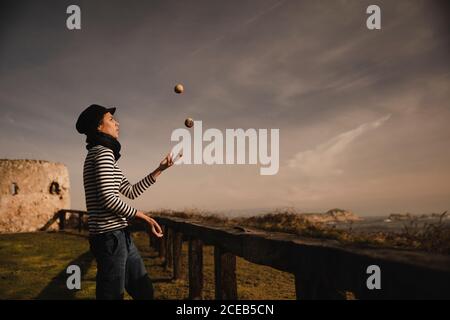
[225,274]
[154,241]
[195,269]
[162,243]
[80,221]
[303,290]
[62,219]
[151,240]
[169,257]
[177,257]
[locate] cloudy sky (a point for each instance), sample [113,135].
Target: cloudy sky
[364,116]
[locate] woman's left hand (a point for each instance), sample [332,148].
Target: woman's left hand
[155,227]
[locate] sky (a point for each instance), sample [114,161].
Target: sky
[363,115]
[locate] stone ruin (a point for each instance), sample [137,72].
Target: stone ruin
[31,192]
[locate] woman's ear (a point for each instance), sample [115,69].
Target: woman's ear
[100,123]
[100,126]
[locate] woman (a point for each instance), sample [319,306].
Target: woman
[119,264]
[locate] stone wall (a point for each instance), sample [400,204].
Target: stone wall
[31,191]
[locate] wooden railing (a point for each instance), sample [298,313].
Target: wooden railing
[323,269]
[62,216]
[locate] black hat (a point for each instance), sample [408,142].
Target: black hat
[90,118]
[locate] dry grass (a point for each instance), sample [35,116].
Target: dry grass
[429,237]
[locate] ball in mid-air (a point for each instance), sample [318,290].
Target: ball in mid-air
[189,122]
[179,88]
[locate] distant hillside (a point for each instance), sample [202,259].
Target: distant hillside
[332,215]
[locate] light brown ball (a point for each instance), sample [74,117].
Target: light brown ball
[179,88]
[189,122]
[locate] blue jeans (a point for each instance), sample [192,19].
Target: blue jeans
[119,267]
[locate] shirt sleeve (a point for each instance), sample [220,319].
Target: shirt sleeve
[104,172]
[132,191]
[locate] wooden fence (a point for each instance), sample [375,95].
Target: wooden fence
[323,269]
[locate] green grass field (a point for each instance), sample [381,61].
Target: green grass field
[33,266]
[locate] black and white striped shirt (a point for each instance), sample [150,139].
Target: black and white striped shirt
[103,180]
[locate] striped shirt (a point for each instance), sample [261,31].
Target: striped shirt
[103,180]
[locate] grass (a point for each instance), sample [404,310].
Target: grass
[32,266]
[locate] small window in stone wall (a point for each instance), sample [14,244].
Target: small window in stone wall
[14,188]
[54,188]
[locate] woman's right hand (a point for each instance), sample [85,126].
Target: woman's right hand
[167,162]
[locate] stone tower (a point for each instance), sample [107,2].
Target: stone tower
[31,191]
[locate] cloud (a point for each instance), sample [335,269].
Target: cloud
[323,160]
[263,12]
[294,65]
[237,28]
